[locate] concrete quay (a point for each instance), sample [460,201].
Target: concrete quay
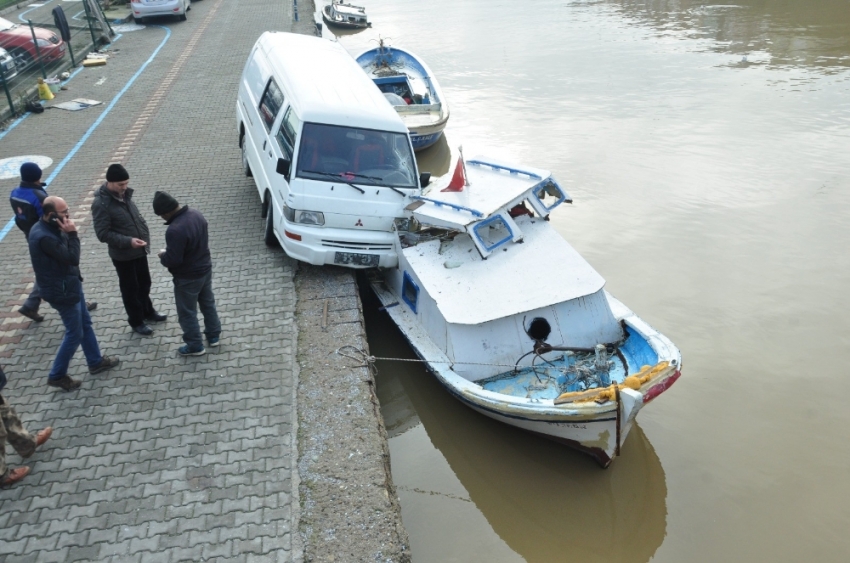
[268,448]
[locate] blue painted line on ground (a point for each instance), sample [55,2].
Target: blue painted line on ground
[98,121]
[22,14]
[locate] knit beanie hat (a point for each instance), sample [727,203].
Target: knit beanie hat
[163,203]
[30,172]
[116,173]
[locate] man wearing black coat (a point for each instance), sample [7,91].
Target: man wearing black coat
[118,223]
[187,257]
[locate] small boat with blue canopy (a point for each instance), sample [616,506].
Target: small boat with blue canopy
[512,320]
[411,88]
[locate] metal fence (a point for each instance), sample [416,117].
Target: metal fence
[44,42]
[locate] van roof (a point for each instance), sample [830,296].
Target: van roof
[325,83]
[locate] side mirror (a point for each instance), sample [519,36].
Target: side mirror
[424,179]
[283,167]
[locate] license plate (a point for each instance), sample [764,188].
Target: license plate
[351,259]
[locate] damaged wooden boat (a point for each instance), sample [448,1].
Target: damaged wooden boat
[510,318]
[410,86]
[345,16]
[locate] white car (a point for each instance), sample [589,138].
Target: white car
[8,66]
[146,8]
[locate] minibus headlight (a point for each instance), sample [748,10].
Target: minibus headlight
[309,218]
[303,217]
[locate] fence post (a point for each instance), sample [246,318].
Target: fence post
[6,88]
[37,50]
[89,19]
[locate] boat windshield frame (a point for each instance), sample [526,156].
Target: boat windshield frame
[368,157]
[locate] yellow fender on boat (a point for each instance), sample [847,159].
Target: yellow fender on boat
[606,394]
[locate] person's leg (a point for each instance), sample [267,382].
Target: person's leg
[206,302]
[33,302]
[8,477]
[186,299]
[3,468]
[15,434]
[91,349]
[143,275]
[73,321]
[130,291]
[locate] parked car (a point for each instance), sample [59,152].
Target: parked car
[7,65]
[17,39]
[146,8]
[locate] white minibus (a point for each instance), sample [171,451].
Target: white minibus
[331,158]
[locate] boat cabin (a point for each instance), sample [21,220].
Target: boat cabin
[477,266]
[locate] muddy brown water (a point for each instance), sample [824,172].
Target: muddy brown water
[707,148]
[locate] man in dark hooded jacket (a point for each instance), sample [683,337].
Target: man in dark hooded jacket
[26,202]
[118,223]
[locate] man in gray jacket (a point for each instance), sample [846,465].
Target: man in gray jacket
[118,223]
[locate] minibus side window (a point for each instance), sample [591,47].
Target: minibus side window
[287,132]
[270,104]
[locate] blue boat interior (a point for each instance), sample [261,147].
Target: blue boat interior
[550,376]
[400,86]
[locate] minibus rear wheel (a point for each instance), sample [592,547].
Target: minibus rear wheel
[268,237]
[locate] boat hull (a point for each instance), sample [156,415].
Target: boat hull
[598,430]
[422,141]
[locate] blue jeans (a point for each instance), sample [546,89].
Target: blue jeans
[78,330]
[189,295]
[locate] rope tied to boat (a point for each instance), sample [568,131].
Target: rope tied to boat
[368,361]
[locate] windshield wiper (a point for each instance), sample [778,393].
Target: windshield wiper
[342,176]
[335,177]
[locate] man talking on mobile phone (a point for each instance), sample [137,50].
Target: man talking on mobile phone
[55,253]
[118,223]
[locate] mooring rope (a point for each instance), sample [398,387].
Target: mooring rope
[368,361]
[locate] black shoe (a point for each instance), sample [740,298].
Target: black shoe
[106,362]
[64,383]
[91,305]
[144,330]
[156,317]
[31,314]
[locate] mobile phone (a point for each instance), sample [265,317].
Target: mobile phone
[53,218]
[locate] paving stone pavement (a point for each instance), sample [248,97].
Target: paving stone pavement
[163,458]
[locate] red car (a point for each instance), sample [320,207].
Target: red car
[17,39]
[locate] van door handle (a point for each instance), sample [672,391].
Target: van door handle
[264,145]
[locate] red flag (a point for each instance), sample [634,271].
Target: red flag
[458,179]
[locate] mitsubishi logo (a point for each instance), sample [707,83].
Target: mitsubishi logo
[359,223]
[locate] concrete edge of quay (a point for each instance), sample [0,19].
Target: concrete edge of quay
[347,507]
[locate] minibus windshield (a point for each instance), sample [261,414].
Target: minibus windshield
[367,157]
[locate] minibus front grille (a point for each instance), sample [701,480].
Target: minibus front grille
[356,245]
